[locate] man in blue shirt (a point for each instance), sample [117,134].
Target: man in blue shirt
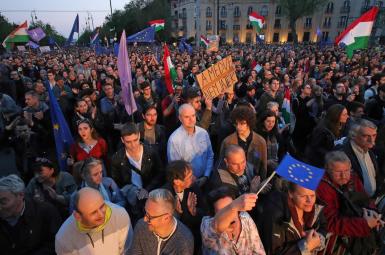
[192,144]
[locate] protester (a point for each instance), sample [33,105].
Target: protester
[159,232]
[95,227]
[19,215]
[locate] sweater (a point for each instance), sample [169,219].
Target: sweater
[115,238]
[145,242]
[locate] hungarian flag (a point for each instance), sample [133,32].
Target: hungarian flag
[19,35]
[257,21]
[158,24]
[356,36]
[169,69]
[286,110]
[204,41]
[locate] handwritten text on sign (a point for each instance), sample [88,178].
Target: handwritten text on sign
[217,78]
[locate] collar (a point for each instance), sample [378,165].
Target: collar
[160,239]
[357,148]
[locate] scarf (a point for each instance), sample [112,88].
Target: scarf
[85,229]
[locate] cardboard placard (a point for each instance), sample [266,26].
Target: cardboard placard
[217,78]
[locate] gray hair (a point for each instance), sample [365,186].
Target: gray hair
[335,156]
[164,196]
[231,149]
[184,107]
[359,125]
[271,104]
[12,183]
[89,164]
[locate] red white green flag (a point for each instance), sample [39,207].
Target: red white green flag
[257,21]
[158,24]
[286,108]
[356,36]
[19,35]
[169,70]
[204,41]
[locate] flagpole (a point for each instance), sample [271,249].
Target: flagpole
[266,182]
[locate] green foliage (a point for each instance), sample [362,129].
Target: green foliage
[136,16]
[49,31]
[5,27]
[84,38]
[296,9]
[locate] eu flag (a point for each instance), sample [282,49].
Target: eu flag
[75,29]
[300,173]
[62,134]
[147,35]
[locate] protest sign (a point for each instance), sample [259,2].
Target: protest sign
[217,78]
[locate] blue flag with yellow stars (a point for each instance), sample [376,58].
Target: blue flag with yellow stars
[147,35]
[300,173]
[62,134]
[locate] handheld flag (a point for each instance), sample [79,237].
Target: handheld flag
[356,36]
[147,35]
[62,134]
[157,24]
[257,21]
[204,41]
[18,35]
[32,44]
[286,109]
[36,34]
[124,69]
[169,70]
[75,29]
[94,38]
[300,173]
[184,46]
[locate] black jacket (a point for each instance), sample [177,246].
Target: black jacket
[152,172]
[34,233]
[277,231]
[320,143]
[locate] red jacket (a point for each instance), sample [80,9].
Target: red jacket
[337,222]
[99,151]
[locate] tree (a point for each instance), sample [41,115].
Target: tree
[296,9]
[5,27]
[84,38]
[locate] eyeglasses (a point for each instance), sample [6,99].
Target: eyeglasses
[150,218]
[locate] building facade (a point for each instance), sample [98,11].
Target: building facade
[229,19]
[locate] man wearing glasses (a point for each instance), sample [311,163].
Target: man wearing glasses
[159,232]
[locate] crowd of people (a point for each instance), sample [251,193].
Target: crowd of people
[186,174]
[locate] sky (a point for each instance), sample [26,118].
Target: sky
[60,13]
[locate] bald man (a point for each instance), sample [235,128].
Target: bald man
[95,227]
[192,144]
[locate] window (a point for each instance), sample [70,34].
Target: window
[308,22]
[237,12]
[222,24]
[208,12]
[325,36]
[276,37]
[249,10]
[380,3]
[306,37]
[342,22]
[264,11]
[184,13]
[330,7]
[236,27]
[327,22]
[223,12]
[208,25]
[236,38]
[347,3]
[289,37]
[278,10]
[277,23]
[248,37]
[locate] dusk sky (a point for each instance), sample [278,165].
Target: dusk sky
[62,16]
